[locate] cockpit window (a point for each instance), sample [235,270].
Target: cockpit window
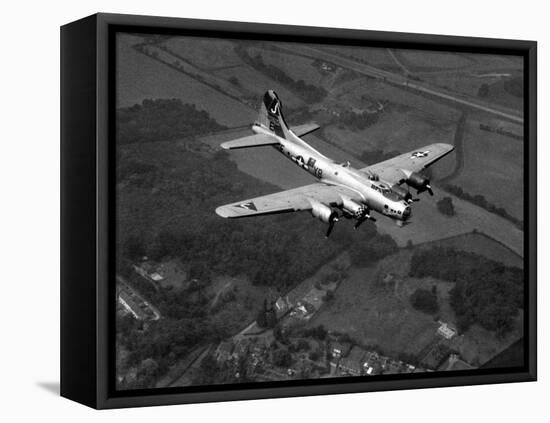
[388,193]
[345,164]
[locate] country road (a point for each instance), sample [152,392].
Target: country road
[401,80]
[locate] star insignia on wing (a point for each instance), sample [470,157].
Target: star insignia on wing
[248,206]
[419,154]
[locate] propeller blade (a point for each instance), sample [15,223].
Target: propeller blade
[362,219]
[429,188]
[331,226]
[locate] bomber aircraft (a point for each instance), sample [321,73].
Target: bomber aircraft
[341,190]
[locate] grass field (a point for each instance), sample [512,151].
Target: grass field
[139,77]
[493,167]
[378,313]
[206,53]
[418,60]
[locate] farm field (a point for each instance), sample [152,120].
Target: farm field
[394,132]
[205,53]
[493,167]
[428,224]
[481,244]
[140,77]
[296,67]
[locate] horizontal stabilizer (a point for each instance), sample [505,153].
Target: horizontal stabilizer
[305,129]
[257,140]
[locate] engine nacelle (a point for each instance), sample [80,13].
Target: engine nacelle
[353,208]
[323,213]
[416,180]
[402,193]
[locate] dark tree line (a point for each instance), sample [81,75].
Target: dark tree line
[358,121]
[161,120]
[481,201]
[486,292]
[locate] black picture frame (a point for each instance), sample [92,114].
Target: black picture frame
[87,221]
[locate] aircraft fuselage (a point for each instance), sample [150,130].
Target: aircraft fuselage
[375,195]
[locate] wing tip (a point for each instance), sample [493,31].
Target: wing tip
[222,211]
[446,146]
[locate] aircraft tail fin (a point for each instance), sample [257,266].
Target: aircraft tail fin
[271,115]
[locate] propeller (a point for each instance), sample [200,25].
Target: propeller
[364,216]
[409,198]
[333,219]
[426,187]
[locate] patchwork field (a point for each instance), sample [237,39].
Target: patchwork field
[373,306]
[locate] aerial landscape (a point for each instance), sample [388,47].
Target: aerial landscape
[203,300]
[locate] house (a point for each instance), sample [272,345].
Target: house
[340,349]
[130,306]
[303,310]
[148,271]
[446,330]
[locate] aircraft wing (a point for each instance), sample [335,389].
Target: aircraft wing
[393,171]
[291,200]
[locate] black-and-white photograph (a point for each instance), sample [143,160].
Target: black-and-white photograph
[290,211]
